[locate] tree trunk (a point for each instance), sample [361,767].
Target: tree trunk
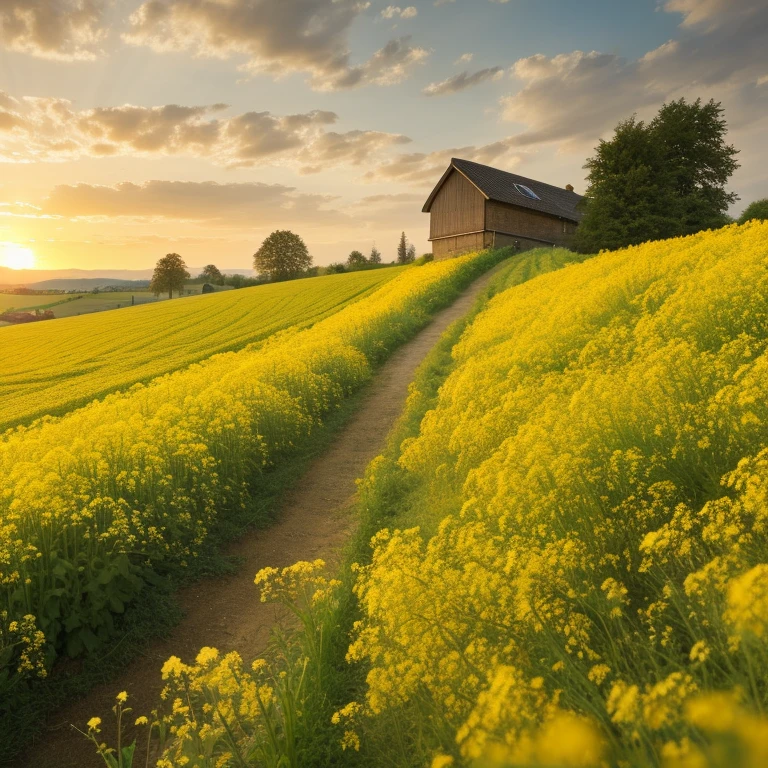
[170,293]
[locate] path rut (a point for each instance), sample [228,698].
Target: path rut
[314,522]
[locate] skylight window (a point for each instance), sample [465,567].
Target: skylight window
[527,191]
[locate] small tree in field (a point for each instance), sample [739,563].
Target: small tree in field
[402,250]
[282,256]
[212,274]
[355,260]
[170,274]
[411,255]
[375,257]
[757,210]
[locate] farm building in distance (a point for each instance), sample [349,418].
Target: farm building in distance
[475,207]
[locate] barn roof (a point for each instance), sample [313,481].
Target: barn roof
[500,186]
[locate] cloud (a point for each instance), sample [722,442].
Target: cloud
[275,37]
[713,12]
[212,203]
[574,98]
[424,169]
[20,210]
[389,211]
[395,12]
[388,66]
[47,129]
[53,29]
[463,81]
[465,58]
[352,148]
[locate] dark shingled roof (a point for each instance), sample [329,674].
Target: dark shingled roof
[500,186]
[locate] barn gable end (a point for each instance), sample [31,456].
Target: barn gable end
[458,208]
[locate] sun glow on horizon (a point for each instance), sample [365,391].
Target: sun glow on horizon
[16,256]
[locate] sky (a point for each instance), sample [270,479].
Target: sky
[134,128]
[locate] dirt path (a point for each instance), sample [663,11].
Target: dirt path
[314,522]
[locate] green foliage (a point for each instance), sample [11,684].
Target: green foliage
[282,256]
[659,179]
[756,210]
[375,257]
[694,153]
[403,252]
[356,259]
[170,274]
[336,268]
[212,274]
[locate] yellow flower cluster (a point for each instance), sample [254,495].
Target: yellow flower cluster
[92,501]
[592,487]
[222,712]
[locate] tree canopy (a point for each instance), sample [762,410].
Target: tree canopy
[659,179]
[170,274]
[375,257]
[356,259]
[212,274]
[757,210]
[282,256]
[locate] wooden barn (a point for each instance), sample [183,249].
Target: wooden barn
[475,206]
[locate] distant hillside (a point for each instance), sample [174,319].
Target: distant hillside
[87,284]
[34,277]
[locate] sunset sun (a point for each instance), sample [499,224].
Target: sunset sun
[16,256]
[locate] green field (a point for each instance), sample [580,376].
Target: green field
[51,367]
[99,302]
[18,302]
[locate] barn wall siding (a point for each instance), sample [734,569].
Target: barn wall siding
[508,219]
[459,208]
[447,248]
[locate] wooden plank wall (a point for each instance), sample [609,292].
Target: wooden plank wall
[526,223]
[459,208]
[454,246]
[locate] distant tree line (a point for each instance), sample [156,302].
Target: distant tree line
[406,254]
[282,256]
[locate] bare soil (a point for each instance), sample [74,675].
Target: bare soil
[225,612]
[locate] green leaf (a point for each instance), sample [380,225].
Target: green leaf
[127,754]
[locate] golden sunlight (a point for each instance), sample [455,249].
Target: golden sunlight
[16,256]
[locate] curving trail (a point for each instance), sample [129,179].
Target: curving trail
[314,522]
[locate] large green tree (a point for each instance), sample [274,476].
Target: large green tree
[282,256]
[757,210]
[170,274]
[695,153]
[630,197]
[658,179]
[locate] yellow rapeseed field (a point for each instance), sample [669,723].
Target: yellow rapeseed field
[589,584]
[49,368]
[588,581]
[92,503]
